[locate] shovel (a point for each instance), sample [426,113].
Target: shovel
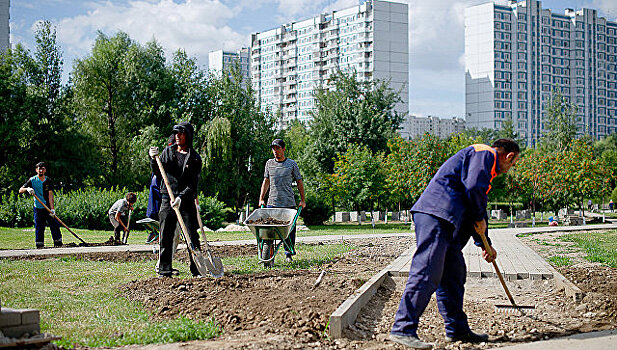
[60,221]
[125,237]
[198,258]
[214,264]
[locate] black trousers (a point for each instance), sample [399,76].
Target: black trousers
[168,221]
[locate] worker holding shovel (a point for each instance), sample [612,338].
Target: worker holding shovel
[42,187]
[182,165]
[451,209]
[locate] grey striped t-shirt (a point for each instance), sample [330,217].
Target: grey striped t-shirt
[282,175]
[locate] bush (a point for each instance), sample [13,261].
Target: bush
[87,208]
[317,210]
[16,211]
[212,212]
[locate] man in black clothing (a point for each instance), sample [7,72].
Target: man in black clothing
[182,164]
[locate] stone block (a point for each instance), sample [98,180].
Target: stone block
[19,331]
[396,215]
[30,316]
[363,215]
[341,216]
[353,216]
[382,215]
[9,317]
[498,214]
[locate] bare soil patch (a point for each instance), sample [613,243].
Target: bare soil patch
[279,309]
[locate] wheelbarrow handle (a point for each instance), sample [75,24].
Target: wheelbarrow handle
[297,215]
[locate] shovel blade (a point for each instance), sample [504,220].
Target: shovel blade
[217,269]
[210,265]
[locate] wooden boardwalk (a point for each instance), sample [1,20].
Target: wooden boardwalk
[515,259]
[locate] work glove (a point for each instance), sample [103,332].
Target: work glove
[176,203]
[30,190]
[153,152]
[53,213]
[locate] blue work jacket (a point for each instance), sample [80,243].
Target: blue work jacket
[458,193]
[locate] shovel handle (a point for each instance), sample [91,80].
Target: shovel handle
[60,221]
[125,237]
[201,226]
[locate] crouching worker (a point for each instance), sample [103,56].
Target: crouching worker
[117,214]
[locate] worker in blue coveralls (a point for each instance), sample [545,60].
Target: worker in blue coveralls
[451,209]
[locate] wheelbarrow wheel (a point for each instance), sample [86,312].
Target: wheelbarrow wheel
[267,252]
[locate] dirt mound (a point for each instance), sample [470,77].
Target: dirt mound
[277,309]
[599,283]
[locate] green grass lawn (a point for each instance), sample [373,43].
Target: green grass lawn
[599,246]
[80,301]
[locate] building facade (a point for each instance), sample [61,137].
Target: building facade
[414,127]
[517,54]
[220,60]
[289,62]
[5,16]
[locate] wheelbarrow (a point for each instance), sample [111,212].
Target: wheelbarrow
[270,237]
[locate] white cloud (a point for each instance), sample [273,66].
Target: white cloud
[606,8]
[196,26]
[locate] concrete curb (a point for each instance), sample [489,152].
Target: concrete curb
[568,287]
[347,312]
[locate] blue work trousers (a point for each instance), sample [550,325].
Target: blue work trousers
[438,266]
[41,218]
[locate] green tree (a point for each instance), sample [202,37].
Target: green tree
[359,178]
[239,136]
[560,124]
[411,166]
[350,112]
[119,89]
[35,118]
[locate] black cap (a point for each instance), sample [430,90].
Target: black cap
[179,129]
[187,129]
[278,142]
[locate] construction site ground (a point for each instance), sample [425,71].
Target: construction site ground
[280,309]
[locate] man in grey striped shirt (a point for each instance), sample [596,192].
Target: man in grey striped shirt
[279,175]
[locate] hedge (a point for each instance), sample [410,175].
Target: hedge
[87,208]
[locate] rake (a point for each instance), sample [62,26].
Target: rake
[508,309]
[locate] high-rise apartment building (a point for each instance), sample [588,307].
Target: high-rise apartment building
[289,62]
[5,15]
[516,54]
[414,127]
[220,60]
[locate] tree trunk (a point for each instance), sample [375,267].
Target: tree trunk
[111,124]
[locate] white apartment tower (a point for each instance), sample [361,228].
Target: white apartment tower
[516,54]
[414,127]
[288,62]
[5,15]
[220,60]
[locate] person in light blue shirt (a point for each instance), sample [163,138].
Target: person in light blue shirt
[42,187]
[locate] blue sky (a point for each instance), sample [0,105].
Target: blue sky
[436,39]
